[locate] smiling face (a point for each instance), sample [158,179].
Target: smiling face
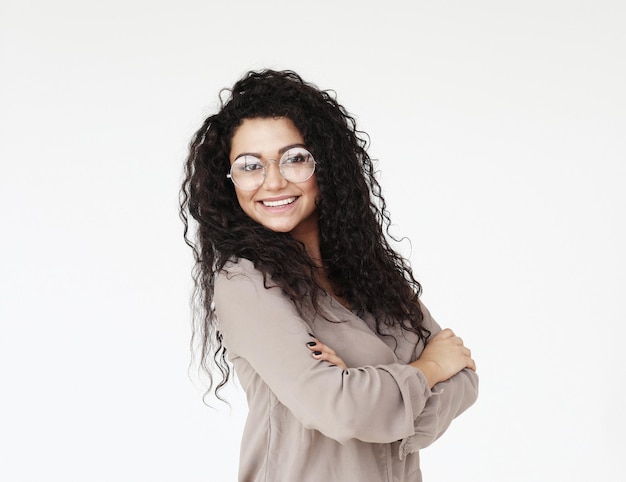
[277,204]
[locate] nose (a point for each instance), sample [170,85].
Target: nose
[274,180]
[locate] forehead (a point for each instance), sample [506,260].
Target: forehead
[264,136]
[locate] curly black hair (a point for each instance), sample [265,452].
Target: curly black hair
[360,264]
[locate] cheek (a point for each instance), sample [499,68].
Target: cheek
[245,200]
[240,196]
[312,189]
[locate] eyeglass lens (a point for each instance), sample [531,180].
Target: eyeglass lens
[295,165]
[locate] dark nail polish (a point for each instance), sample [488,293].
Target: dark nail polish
[311,343]
[311,334]
[317,352]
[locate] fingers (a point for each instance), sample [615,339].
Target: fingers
[448,343]
[471,364]
[321,351]
[332,359]
[326,353]
[447,347]
[317,345]
[449,335]
[446,333]
[466,352]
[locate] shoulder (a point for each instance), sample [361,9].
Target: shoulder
[239,277]
[236,274]
[238,267]
[245,299]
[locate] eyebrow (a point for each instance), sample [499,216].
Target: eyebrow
[281,151]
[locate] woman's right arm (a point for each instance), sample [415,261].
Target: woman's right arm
[261,325]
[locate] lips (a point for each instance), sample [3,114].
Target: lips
[279,202]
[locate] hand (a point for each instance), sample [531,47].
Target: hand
[444,356]
[323,352]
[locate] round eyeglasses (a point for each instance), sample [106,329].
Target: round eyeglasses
[295,165]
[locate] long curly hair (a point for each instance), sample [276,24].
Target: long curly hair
[360,264]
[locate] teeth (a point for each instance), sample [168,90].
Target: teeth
[282,202]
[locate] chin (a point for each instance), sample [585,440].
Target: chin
[278,229]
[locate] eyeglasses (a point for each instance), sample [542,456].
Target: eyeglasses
[295,165]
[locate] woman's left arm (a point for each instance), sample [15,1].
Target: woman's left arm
[449,399]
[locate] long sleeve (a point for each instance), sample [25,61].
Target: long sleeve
[449,399]
[374,403]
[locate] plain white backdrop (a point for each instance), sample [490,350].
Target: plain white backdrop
[500,133]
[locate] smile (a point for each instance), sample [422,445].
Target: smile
[282,202]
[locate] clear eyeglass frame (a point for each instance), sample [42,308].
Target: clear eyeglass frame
[295,165]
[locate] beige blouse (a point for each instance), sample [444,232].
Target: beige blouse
[311,421]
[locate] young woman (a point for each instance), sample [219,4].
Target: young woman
[346,373]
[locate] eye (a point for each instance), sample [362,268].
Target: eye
[297,157]
[252,166]
[248,164]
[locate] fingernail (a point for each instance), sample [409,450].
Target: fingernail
[311,334]
[317,353]
[311,343]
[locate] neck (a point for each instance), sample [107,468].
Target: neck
[324,282]
[309,235]
[311,240]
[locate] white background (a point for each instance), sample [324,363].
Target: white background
[500,132]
